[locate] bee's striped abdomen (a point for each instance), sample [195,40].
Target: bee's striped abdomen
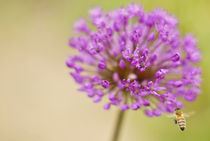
[181,122]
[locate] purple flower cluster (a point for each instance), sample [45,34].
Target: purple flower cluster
[136,59]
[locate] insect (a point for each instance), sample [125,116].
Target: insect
[180,117]
[180,120]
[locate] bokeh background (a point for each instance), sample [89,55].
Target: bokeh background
[38,99]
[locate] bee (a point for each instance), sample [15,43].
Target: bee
[179,118]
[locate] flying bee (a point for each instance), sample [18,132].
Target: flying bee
[180,120]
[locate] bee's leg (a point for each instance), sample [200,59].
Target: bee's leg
[175,121]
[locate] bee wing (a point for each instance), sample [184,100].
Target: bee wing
[189,114]
[170,115]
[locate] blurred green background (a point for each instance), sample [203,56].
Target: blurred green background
[38,99]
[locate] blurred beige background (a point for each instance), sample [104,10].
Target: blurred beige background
[38,98]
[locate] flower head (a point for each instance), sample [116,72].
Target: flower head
[136,60]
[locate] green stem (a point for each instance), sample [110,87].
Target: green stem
[118,125]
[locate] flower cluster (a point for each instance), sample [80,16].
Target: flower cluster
[136,59]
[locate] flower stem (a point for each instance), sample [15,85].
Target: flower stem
[118,125]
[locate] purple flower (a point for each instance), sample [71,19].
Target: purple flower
[81,26]
[122,63]
[105,83]
[102,65]
[136,60]
[148,113]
